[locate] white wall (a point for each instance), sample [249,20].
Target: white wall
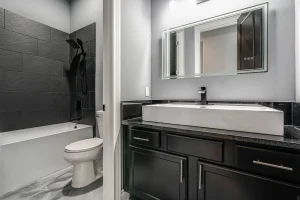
[297,8]
[83,13]
[278,84]
[54,13]
[135,49]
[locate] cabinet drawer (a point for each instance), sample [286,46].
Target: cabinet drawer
[145,138]
[284,166]
[207,149]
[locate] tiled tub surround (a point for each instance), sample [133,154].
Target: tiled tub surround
[33,84]
[34,91]
[88,36]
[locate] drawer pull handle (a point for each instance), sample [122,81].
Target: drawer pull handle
[272,165]
[181,171]
[141,139]
[200,176]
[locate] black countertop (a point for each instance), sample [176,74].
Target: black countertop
[291,138]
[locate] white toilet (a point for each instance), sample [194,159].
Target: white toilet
[82,155]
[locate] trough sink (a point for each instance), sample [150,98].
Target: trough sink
[246,118]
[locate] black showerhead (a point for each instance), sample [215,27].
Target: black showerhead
[73,44]
[79,42]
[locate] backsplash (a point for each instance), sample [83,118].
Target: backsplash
[34,91]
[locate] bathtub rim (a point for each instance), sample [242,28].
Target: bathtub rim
[22,135]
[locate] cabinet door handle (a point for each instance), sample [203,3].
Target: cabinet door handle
[272,165]
[200,177]
[141,139]
[181,171]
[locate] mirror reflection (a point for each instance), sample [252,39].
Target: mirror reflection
[230,44]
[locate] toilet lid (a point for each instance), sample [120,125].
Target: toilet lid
[84,145]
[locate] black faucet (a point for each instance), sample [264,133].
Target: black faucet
[203,93]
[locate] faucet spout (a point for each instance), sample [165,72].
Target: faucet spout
[203,93]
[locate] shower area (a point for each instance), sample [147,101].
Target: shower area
[48,68]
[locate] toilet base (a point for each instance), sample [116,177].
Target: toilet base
[83,174]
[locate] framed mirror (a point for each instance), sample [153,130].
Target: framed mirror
[230,44]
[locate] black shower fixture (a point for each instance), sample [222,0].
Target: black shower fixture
[73,43]
[76,44]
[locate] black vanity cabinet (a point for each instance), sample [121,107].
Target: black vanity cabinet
[161,165]
[219,183]
[155,175]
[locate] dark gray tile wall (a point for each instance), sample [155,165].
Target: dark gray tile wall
[87,35]
[34,118]
[26,26]
[58,36]
[1,18]
[33,88]
[59,84]
[40,65]
[11,61]
[17,42]
[52,50]
[23,81]
[2,80]
[10,121]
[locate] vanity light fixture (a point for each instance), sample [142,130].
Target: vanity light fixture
[201,1]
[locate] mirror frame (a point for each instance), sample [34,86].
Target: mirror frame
[165,40]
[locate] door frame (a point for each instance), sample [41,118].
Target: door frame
[297,48]
[111,99]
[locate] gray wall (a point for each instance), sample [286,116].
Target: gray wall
[54,13]
[83,13]
[135,49]
[34,90]
[278,84]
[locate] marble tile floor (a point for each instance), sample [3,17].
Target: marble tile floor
[57,186]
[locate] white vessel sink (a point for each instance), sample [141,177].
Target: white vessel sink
[248,118]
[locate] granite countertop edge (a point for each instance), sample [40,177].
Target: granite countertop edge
[290,140]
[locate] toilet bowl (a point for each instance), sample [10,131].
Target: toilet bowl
[81,155]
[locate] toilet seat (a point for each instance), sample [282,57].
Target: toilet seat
[84,145]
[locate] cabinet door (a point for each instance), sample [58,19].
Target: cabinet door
[218,183]
[157,175]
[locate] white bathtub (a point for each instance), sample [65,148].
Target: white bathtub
[30,154]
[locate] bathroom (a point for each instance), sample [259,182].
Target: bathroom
[149,99]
